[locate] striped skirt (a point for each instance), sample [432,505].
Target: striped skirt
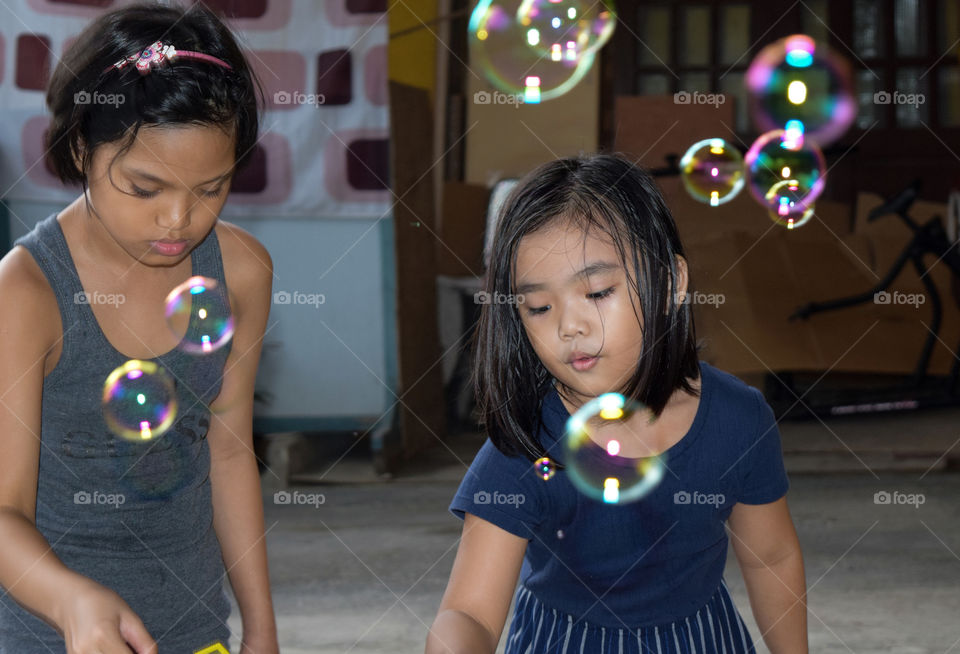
[716,628]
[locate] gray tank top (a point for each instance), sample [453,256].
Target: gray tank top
[134,516]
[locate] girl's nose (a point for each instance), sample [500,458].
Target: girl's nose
[574,321]
[176,217]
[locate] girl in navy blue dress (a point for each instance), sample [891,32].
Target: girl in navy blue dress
[589,280]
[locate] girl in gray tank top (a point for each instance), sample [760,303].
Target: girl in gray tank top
[153,108]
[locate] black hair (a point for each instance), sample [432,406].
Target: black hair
[607,192]
[184,91]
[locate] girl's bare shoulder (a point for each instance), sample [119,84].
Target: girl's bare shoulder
[28,298]
[246,262]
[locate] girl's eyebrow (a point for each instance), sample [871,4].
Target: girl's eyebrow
[153,178]
[594,268]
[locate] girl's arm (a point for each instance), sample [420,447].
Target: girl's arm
[91,618]
[768,551]
[235,481]
[484,576]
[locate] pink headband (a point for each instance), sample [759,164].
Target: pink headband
[157,54]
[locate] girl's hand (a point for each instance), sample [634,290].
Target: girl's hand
[95,620]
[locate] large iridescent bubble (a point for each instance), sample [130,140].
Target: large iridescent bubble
[596,449]
[499,46]
[139,400]
[198,313]
[712,171]
[566,29]
[799,79]
[785,175]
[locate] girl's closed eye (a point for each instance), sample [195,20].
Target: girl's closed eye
[143,193]
[599,295]
[536,311]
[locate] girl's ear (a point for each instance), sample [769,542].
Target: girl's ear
[680,291]
[682,279]
[79,154]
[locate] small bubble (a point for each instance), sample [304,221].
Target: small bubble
[545,468]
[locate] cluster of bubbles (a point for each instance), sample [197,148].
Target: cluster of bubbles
[539,49]
[594,459]
[801,97]
[140,397]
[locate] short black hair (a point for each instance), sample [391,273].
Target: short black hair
[608,192]
[185,91]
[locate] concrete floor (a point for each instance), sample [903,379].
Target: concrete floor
[365,570]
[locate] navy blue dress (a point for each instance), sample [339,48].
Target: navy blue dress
[641,577]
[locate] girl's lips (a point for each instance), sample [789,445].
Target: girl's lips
[169,248]
[584,363]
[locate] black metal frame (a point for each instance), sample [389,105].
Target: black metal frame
[900,393]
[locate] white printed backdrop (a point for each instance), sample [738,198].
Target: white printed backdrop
[325,133]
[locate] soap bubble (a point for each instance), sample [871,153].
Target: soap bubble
[139,400]
[198,313]
[593,444]
[712,171]
[545,468]
[792,218]
[566,29]
[785,175]
[788,211]
[796,78]
[499,47]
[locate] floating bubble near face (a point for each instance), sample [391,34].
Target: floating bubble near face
[566,29]
[785,174]
[788,212]
[546,468]
[594,462]
[198,313]
[139,400]
[499,46]
[712,171]
[796,78]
